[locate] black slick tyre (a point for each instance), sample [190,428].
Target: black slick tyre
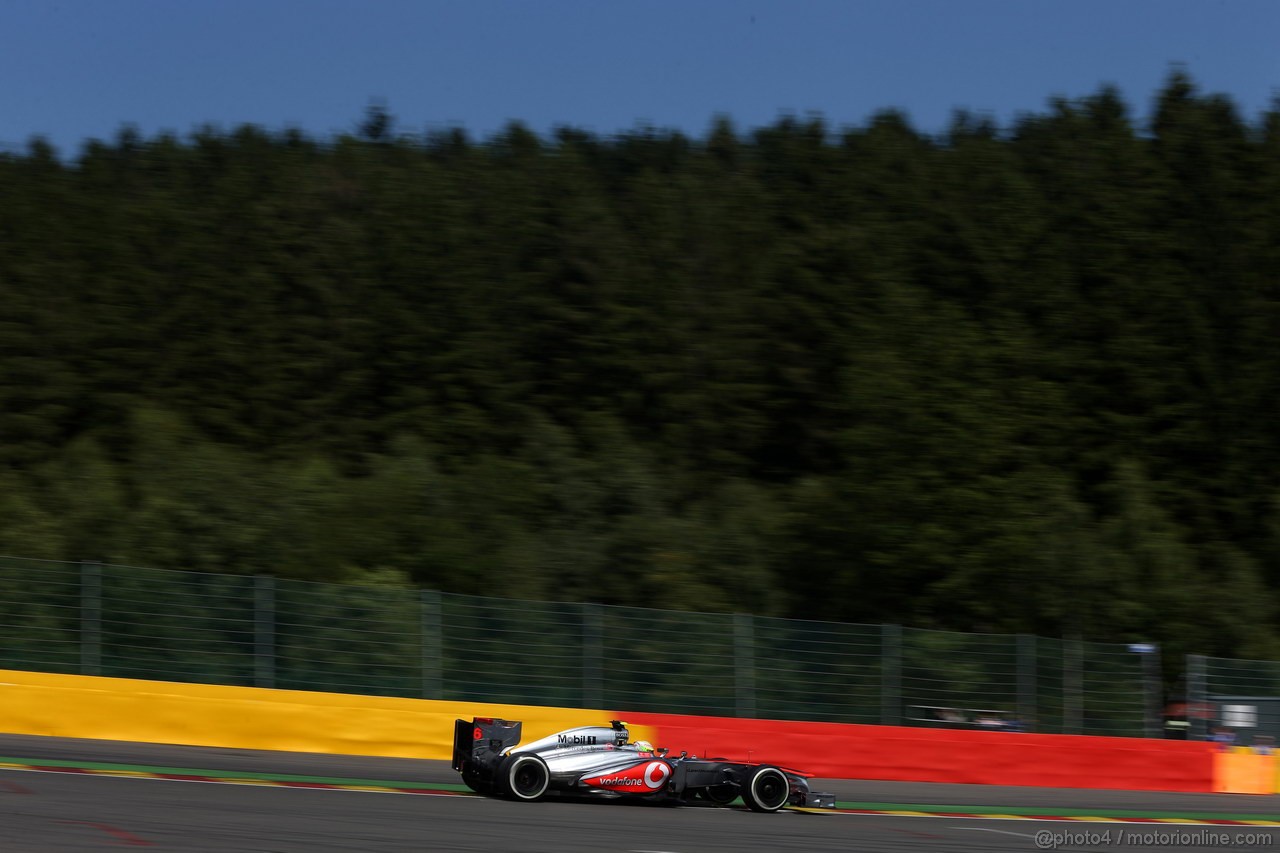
[767,789]
[525,777]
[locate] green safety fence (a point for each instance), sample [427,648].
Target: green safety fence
[123,621]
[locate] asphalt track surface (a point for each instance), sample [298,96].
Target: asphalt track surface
[55,812]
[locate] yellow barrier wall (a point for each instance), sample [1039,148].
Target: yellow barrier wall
[1243,772]
[38,703]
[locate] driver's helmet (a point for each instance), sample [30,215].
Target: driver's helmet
[643,746]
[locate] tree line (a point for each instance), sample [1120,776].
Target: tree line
[1018,379]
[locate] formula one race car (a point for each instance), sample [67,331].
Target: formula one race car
[601,762]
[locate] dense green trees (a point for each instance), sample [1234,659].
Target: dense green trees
[1020,380]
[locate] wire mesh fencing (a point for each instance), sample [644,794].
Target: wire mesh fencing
[804,670]
[45,607]
[500,650]
[261,631]
[1233,700]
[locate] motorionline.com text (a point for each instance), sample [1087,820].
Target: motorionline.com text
[1230,839]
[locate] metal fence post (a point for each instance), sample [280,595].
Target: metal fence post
[1072,686]
[432,645]
[1154,690]
[90,618]
[1197,696]
[1027,681]
[891,675]
[264,631]
[592,655]
[744,672]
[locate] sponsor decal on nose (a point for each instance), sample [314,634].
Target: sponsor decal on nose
[655,775]
[651,776]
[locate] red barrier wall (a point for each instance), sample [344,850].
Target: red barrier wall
[894,753]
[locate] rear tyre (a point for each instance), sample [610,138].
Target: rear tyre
[767,789]
[525,777]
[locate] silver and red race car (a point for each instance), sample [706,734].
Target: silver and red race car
[601,762]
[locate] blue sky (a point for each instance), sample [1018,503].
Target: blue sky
[74,69]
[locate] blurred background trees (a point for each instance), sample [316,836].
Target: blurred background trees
[994,380]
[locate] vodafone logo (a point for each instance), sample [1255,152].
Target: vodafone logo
[638,778]
[655,775]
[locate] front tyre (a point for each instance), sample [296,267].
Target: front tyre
[526,778]
[767,789]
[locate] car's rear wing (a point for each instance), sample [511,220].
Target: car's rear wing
[482,740]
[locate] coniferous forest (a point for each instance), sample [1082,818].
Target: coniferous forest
[1017,379]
